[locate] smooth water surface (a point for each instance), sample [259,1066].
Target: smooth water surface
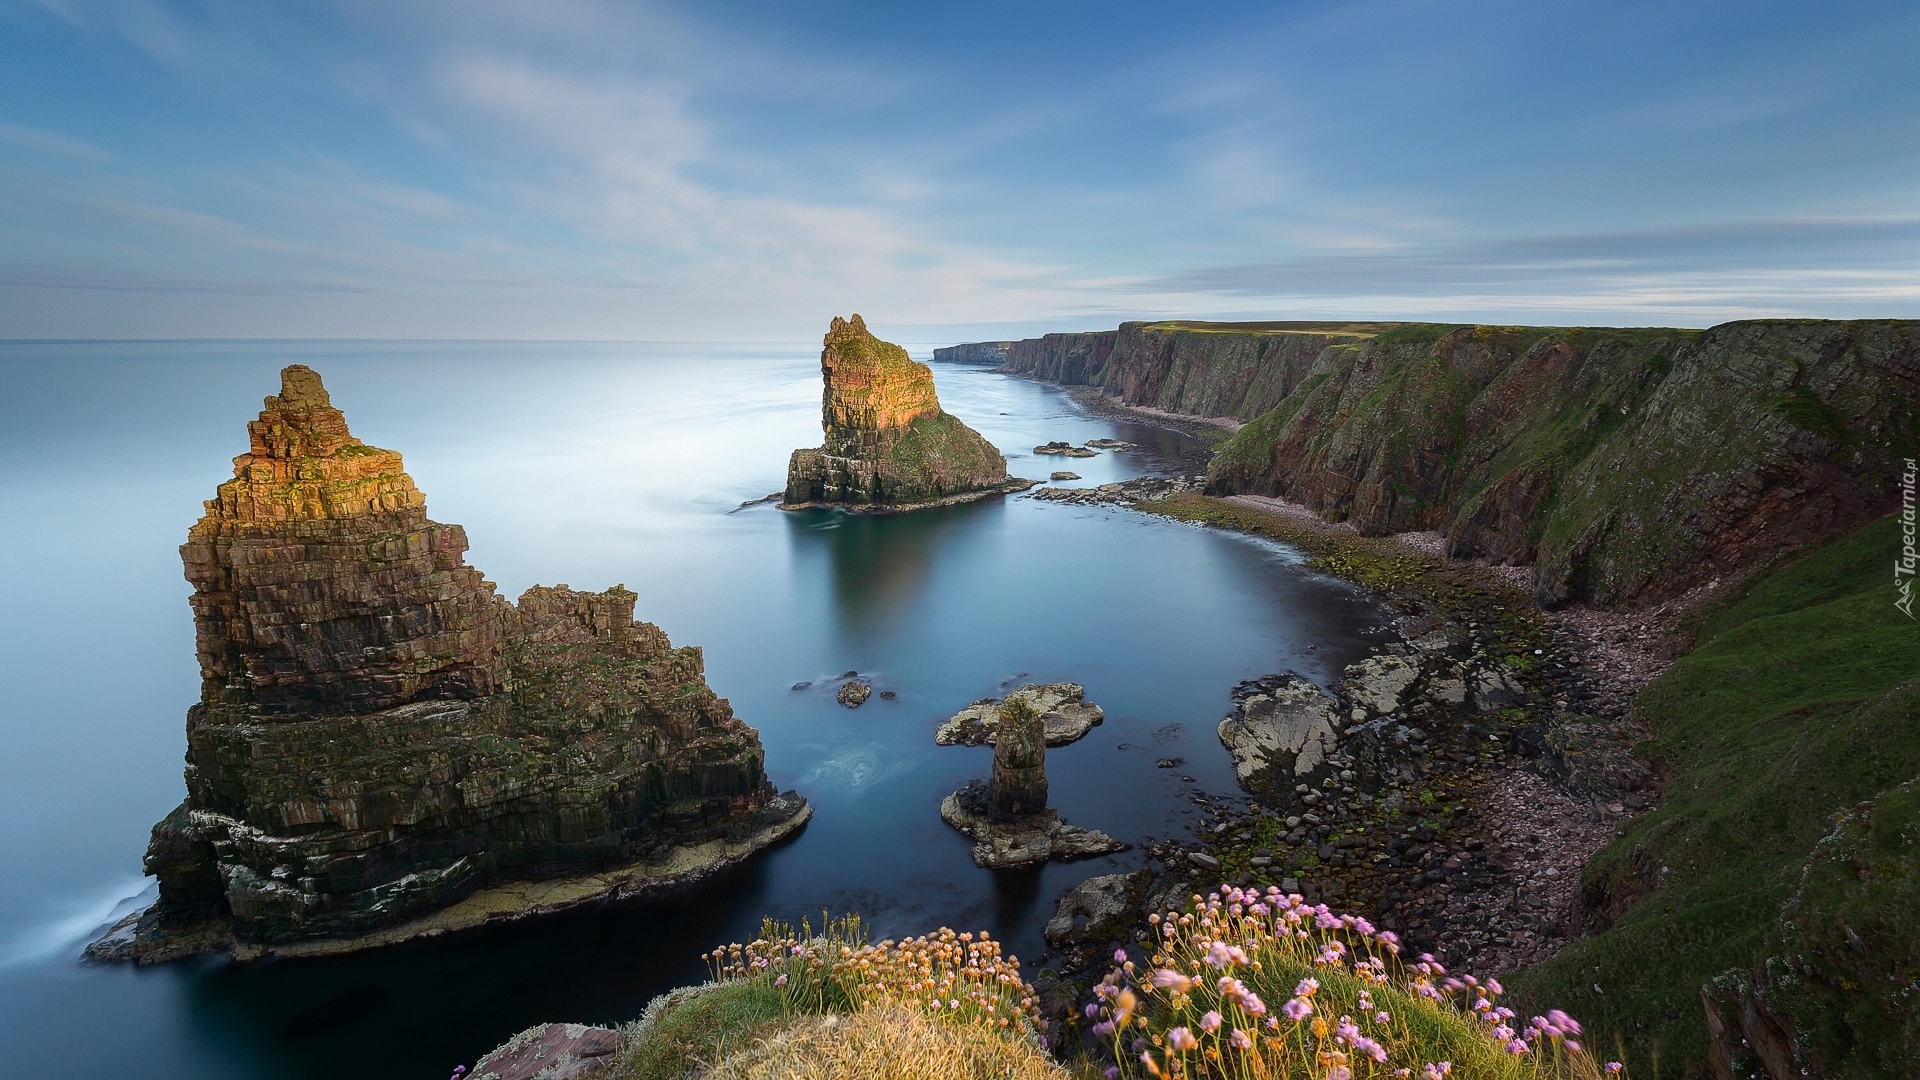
[590,465]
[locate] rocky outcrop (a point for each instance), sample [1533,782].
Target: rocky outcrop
[553,1052]
[1285,730]
[384,747]
[889,446]
[1097,913]
[1124,492]
[1007,815]
[1065,716]
[1624,465]
[1064,449]
[974,352]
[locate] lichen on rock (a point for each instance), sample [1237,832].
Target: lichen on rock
[889,446]
[1065,716]
[384,747]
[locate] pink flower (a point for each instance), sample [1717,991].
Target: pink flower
[1438,1069]
[1339,1072]
[1210,1022]
[1382,1018]
[1103,1029]
[1182,1040]
[1306,988]
[1564,1024]
[1518,1046]
[1119,956]
[1169,979]
[1494,985]
[1240,1040]
[1298,1009]
[1613,1067]
[781,981]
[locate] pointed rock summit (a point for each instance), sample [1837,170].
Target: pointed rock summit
[889,445]
[384,748]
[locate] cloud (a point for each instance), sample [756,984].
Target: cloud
[1726,269]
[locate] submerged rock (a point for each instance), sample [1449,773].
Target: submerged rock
[1065,716]
[1064,449]
[889,445]
[1124,492]
[386,748]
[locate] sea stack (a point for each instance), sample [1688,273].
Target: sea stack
[385,748]
[1006,815]
[889,445]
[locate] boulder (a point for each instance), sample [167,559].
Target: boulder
[1278,736]
[553,1052]
[1063,449]
[853,693]
[1098,910]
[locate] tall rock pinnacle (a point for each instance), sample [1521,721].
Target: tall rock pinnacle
[888,443]
[385,748]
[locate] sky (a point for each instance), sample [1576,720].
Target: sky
[744,170]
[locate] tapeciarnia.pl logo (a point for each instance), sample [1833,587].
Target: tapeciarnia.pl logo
[1903,566]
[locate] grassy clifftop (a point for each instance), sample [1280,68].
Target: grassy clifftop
[1800,700]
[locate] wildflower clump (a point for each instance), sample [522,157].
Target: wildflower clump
[957,977]
[1256,985]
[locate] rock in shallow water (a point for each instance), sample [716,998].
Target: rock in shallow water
[1065,716]
[385,748]
[853,693]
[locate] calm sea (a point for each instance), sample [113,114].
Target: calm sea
[591,464]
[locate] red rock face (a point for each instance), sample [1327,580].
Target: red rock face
[888,444]
[871,385]
[319,583]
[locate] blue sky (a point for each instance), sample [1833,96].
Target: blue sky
[596,169]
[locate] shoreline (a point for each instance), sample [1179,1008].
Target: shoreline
[1522,823]
[139,939]
[1011,486]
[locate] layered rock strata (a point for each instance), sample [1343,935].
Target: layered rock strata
[889,446]
[1625,466]
[974,352]
[1065,716]
[385,747]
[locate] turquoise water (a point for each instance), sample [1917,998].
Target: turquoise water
[590,465]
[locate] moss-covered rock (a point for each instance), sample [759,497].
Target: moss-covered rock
[1627,465]
[888,445]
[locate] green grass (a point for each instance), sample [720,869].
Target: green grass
[686,1037]
[1789,709]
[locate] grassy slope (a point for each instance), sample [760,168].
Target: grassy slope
[1783,714]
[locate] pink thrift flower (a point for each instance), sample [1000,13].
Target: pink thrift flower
[781,981]
[1240,1040]
[1211,1022]
[1298,1009]
[1306,988]
[1182,1040]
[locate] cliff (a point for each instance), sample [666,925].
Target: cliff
[888,443]
[1625,465]
[978,352]
[384,747]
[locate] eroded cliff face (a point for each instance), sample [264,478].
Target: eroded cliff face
[1626,465]
[888,444]
[383,745]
